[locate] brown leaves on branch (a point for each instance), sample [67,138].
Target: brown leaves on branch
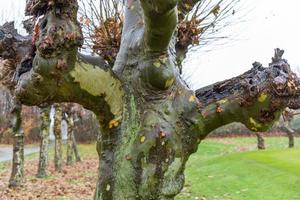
[188,33]
[107,39]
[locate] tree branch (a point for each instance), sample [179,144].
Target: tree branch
[160,18]
[56,73]
[255,98]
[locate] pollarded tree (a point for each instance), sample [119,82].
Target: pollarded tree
[151,122]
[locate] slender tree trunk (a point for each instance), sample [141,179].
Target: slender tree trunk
[75,148]
[44,145]
[290,133]
[260,141]
[58,138]
[17,174]
[70,151]
[291,139]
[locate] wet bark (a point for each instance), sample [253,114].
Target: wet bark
[44,145]
[17,174]
[151,122]
[260,141]
[58,138]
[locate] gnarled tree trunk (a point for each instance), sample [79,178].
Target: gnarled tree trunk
[44,145]
[17,174]
[58,138]
[151,122]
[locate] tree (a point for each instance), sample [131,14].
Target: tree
[69,112]
[151,122]
[260,141]
[17,174]
[44,145]
[58,151]
[287,116]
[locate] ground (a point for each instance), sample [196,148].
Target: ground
[222,169]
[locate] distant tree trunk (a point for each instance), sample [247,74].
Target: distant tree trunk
[72,144]
[44,146]
[70,141]
[260,141]
[288,117]
[75,148]
[17,175]
[58,138]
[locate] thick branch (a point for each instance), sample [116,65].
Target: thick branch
[160,18]
[54,72]
[255,98]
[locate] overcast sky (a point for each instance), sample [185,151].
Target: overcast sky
[269,24]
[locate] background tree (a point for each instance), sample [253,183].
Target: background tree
[58,151]
[44,145]
[287,116]
[69,113]
[151,122]
[260,141]
[17,174]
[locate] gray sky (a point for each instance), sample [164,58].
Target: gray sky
[270,24]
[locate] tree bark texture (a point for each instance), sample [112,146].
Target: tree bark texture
[151,122]
[260,141]
[44,145]
[58,138]
[17,174]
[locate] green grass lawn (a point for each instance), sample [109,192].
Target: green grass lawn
[232,168]
[218,171]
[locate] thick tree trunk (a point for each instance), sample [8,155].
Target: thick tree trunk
[260,141]
[17,174]
[44,146]
[58,138]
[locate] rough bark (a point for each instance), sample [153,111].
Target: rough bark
[58,138]
[151,122]
[260,141]
[17,174]
[44,145]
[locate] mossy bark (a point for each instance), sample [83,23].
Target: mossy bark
[58,138]
[17,174]
[151,122]
[44,145]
